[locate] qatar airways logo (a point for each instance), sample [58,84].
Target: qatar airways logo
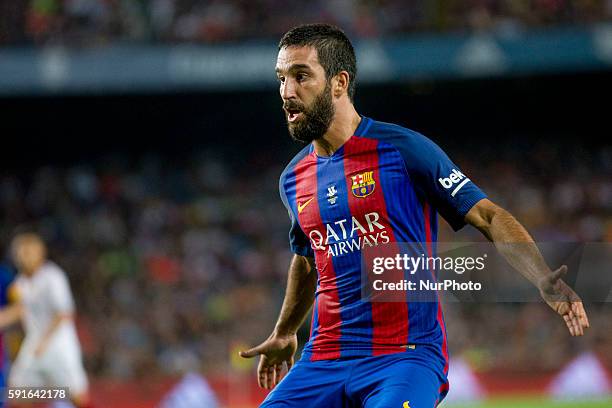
[346,236]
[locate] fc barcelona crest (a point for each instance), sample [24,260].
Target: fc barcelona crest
[363,184]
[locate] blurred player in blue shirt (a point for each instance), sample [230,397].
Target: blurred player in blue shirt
[9,314]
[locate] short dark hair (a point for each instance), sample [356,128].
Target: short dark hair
[334,49]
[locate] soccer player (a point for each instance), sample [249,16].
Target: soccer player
[50,355]
[361,182]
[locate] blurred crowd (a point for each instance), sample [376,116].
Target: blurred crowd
[174,267]
[99,22]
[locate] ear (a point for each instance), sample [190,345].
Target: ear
[340,84]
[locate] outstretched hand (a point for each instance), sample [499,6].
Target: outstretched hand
[276,351]
[563,300]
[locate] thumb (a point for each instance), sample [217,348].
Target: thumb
[558,274]
[255,351]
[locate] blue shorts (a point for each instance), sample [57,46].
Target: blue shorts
[402,380]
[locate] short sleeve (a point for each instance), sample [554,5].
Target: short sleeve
[444,185]
[298,241]
[59,291]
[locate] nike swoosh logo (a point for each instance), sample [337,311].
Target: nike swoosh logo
[303,205]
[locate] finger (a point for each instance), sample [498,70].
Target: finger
[255,351]
[586,316]
[568,322]
[262,374]
[579,323]
[572,318]
[279,371]
[576,323]
[578,308]
[577,326]
[271,379]
[558,274]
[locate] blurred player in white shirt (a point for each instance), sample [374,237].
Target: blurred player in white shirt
[50,355]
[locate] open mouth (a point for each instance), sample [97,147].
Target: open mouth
[293,114]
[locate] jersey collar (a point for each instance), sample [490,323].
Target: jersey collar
[363,127]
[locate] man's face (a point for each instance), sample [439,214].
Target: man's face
[28,253]
[306,93]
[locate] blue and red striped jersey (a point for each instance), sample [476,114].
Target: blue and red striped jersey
[385,184]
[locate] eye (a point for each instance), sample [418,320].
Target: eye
[301,77]
[281,79]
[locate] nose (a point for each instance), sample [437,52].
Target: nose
[287,89]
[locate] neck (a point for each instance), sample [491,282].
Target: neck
[341,129]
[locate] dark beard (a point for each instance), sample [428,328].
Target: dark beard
[316,119]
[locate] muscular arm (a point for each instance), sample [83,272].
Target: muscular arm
[301,285]
[501,228]
[516,245]
[280,347]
